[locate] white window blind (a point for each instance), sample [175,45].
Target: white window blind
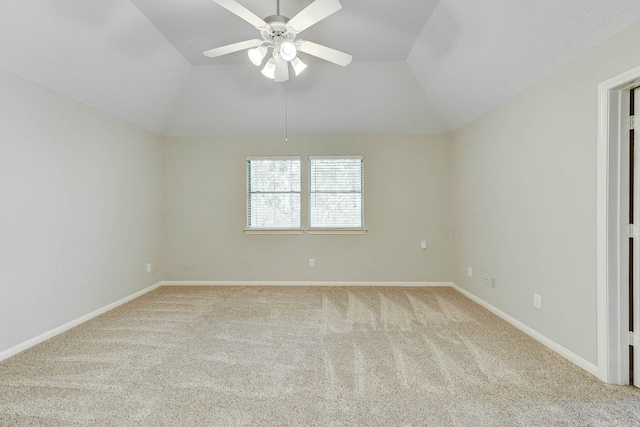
[273,192]
[336,192]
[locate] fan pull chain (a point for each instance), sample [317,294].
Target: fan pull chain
[286,112]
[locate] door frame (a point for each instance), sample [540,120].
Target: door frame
[612,228]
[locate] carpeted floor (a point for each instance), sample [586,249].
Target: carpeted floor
[209,356]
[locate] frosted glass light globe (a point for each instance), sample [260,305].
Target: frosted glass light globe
[288,51]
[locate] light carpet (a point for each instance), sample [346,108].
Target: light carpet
[209,356]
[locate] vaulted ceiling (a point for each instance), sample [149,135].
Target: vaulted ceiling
[419,67]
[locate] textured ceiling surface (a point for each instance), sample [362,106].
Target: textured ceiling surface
[471,56]
[233,100]
[420,66]
[102,53]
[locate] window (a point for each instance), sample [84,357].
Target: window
[336,192]
[273,193]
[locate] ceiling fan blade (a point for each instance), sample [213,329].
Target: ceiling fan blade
[324,52]
[244,13]
[230,48]
[315,12]
[282,69]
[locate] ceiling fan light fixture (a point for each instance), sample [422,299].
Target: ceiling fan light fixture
[279,34]
[269,69]
[298,65]
[256,55]
[288,50]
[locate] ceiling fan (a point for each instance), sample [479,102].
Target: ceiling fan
[279,34]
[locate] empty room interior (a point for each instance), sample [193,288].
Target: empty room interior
[430,224]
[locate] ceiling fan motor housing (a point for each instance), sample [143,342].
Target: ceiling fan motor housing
[277,33]
[278,24]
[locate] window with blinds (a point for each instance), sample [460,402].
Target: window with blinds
[273,192]
[336,192]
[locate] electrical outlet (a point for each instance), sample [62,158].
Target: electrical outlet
[487,280]
[469,271]
[149,268]
[423,244]
[537,301]
[312,262]
[493,282]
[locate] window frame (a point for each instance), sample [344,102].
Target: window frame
[336,230]
[248,193]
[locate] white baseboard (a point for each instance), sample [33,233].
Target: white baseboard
[562,351]
[60,329]
[304,283]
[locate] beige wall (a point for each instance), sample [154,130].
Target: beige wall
[80,197]
[407,199]
[524,198]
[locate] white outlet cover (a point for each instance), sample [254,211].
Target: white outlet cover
[423,244]
[469,271]
[487,279]
[312,262]
[537,301]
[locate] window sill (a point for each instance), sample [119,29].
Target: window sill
[308,231]
[273,231]
[336,230]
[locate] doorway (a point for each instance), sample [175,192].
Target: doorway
[618,244]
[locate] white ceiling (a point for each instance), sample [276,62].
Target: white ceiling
[420,66]
[472,55]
